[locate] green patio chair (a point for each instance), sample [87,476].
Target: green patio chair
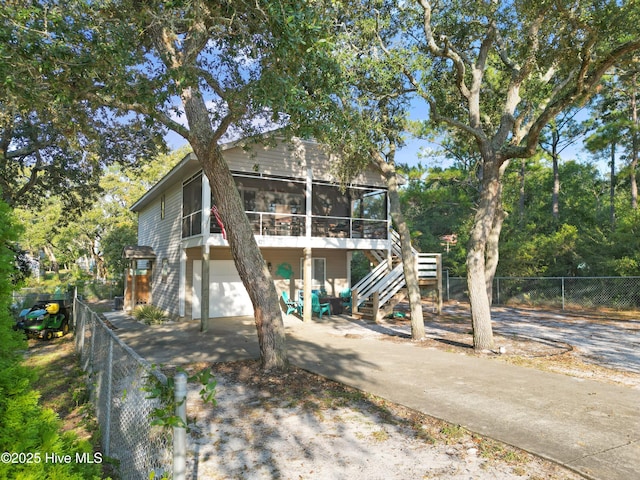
[318,307]
[291,305]
[345,296]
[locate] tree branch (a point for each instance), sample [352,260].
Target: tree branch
[508,121]
[446,52]
[137,107]
[579,93]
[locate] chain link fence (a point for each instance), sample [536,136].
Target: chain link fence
[117,375]
[566,293]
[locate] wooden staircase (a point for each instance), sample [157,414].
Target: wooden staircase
[375,296]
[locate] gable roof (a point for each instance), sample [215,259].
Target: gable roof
[190,165]
[187,164]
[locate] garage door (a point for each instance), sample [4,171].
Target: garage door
[227,295]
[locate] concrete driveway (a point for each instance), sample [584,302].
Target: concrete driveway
[588,426]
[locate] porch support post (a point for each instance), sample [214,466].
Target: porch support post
[127,287]
[182,283]
[204,291]
[307,313]
[205,228]
[306,288]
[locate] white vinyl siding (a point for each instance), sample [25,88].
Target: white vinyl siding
[163,235]
[293,161]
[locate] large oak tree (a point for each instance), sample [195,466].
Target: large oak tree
[500,72]
[210,71]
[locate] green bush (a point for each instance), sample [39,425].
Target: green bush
[29,433]
[149,314]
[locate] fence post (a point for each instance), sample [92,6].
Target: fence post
[109,380]
[92,342]
[562,279]
[179,431]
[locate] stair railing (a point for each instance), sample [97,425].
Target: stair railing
[388,282]
[366,286]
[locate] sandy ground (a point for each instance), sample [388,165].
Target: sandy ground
[299,426]
[258,432]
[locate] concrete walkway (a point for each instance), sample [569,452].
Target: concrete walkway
[590,427]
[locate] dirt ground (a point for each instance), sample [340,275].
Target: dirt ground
[301,426]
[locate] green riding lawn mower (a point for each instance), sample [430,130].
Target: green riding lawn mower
[46,319]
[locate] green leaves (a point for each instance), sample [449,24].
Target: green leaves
[54,138]
[165,415]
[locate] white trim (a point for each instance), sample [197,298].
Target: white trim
[182,283]
[206,209]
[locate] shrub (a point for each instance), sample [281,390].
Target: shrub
[150,314]
[26,428]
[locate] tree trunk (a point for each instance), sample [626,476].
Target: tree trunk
[53,261]
[522,195]
[408,259]
[612,188]
[555,195]
[492,254]
[484,233]
[633,165]
[101,268]
[244,249]
[248,260]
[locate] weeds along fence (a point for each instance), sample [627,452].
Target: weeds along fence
[117,375]
[566,293]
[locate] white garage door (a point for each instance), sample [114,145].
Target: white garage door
[227,295]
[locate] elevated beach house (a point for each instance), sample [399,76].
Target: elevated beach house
[296,208]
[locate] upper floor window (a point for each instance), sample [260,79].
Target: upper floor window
[370,204]
[192,206]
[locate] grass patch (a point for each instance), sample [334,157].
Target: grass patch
[62,386]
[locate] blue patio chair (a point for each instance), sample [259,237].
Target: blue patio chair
[318,307]
[291,305]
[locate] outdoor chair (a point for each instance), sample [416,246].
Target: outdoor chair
[292,306]
[318,307]
[345,296]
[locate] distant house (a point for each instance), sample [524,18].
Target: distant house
[292,202]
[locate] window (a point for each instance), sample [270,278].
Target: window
[370,204]
[165,270]
[192,206]
[318,272]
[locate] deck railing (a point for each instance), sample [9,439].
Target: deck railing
[294,225]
